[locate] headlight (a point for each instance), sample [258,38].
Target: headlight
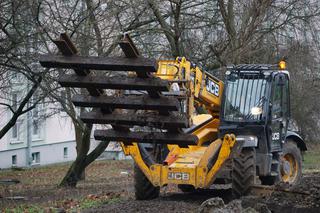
[256,110]
[175,87]
[249,140]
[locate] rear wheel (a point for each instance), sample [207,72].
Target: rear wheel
[144,190]
[291,163]
[243,172]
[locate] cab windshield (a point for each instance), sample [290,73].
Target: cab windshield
[245,97]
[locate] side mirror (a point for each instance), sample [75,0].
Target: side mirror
[232,77]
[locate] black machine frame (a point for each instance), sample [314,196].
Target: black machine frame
[269,143]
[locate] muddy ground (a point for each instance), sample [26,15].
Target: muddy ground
[302,198]
[109,188]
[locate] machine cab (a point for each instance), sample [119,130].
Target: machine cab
[255,106]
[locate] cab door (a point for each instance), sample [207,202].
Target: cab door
[279,111]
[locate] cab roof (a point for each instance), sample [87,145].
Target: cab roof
[253,67]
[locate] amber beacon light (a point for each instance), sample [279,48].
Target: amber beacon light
[282,65]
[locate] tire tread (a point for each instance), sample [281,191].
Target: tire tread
[144,189]
[244,172]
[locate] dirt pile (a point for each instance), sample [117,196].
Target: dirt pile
[217,205]
[304,197]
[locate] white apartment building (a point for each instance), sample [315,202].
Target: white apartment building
[52,139]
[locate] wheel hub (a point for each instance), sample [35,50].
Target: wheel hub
[289,168]
[286,167]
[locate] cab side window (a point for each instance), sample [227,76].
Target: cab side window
[285,99]
[277,98]
[280,97]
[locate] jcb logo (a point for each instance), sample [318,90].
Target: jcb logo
[178,176]
[275,136]
[212,87]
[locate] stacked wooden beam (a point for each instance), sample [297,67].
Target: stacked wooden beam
[105,106]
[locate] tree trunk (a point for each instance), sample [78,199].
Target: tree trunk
[74,173]
[81,145]
[78,166]
[77,169]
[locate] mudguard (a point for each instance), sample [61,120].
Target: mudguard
[298,139]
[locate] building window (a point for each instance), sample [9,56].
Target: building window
[15,132]
[14,160]
[14,101]
[35,129]
[36,117]
[35,112]
[65,152]
[35,158]
[63,95]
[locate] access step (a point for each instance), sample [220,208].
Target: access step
[116,82]
[180,139]
[99,63]
[157,121]
[142,102]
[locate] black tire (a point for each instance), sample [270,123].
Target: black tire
[291,150]
[243,172]
[144,190]
[186,188]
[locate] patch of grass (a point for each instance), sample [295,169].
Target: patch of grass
[311,161]
[103,184]
[87,204]
[68,205]
[113,200]
[25,208]
[90,203]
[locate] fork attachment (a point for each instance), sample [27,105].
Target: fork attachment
[142,100]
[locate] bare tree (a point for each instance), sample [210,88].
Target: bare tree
[17,63]
[209,33]
[91,40]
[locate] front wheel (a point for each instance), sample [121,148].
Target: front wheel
[144,190]
[291,163]
[243,172]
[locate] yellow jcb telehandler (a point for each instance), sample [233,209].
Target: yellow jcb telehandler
[182,125]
